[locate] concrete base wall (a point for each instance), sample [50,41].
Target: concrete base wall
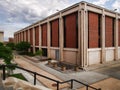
[109,54]
[52,53]
[119,53]
[70,56]
[94,56]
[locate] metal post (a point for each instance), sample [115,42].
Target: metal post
[4,76]
[71,83]
[58,85]
[87,87]
[34,78]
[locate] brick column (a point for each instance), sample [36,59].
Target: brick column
[25,35]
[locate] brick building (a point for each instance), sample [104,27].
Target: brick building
[83,34]
[10,40]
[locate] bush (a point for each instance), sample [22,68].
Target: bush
[30,54]
[1,44]
[39,52]
[11,45]
[23,47]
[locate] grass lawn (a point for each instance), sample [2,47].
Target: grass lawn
[19,76]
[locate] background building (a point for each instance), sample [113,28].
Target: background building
[83,34]
[1,36]
[11,40]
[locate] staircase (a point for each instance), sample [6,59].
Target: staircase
[2,87]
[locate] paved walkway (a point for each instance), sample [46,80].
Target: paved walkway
[25,64]
[28,76]
[107,84]
[103,77]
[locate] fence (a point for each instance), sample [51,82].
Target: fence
[57,82]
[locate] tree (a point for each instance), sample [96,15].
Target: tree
[6,54]
[23,47]
[11,45]
[1,44]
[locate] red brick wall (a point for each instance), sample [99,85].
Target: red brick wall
[55,33]
[23,35]
[109,33]
[70,32]
[44,34]
[93,30]
[20,36]
[37,35]
[26,35]
[17,37]
[31,36]
[11,40]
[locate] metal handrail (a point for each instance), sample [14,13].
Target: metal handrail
[57,82]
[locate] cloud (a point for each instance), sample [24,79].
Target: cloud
[17,14]
[116,5]
[30,10]
[10,28]
[100,2]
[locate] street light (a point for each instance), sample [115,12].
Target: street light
[115,10]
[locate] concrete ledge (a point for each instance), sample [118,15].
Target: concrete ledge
[22,85]
[103,65]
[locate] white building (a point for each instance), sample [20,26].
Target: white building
[1,36]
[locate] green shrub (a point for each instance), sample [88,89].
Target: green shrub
[11,45]
[30,54]
[23,47]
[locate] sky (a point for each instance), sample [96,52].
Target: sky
[17,14]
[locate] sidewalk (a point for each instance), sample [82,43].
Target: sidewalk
[25,64]
[28,76]
[107,84]
[97,78]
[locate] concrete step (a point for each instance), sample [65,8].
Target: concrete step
[1,87]
[8,88]
[68,89]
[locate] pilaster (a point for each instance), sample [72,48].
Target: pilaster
[33,39]
[116,36]
[40,36]
[61,36]
[84,35]
[103,37]
[48,38]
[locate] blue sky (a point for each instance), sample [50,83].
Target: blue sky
[17,14]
